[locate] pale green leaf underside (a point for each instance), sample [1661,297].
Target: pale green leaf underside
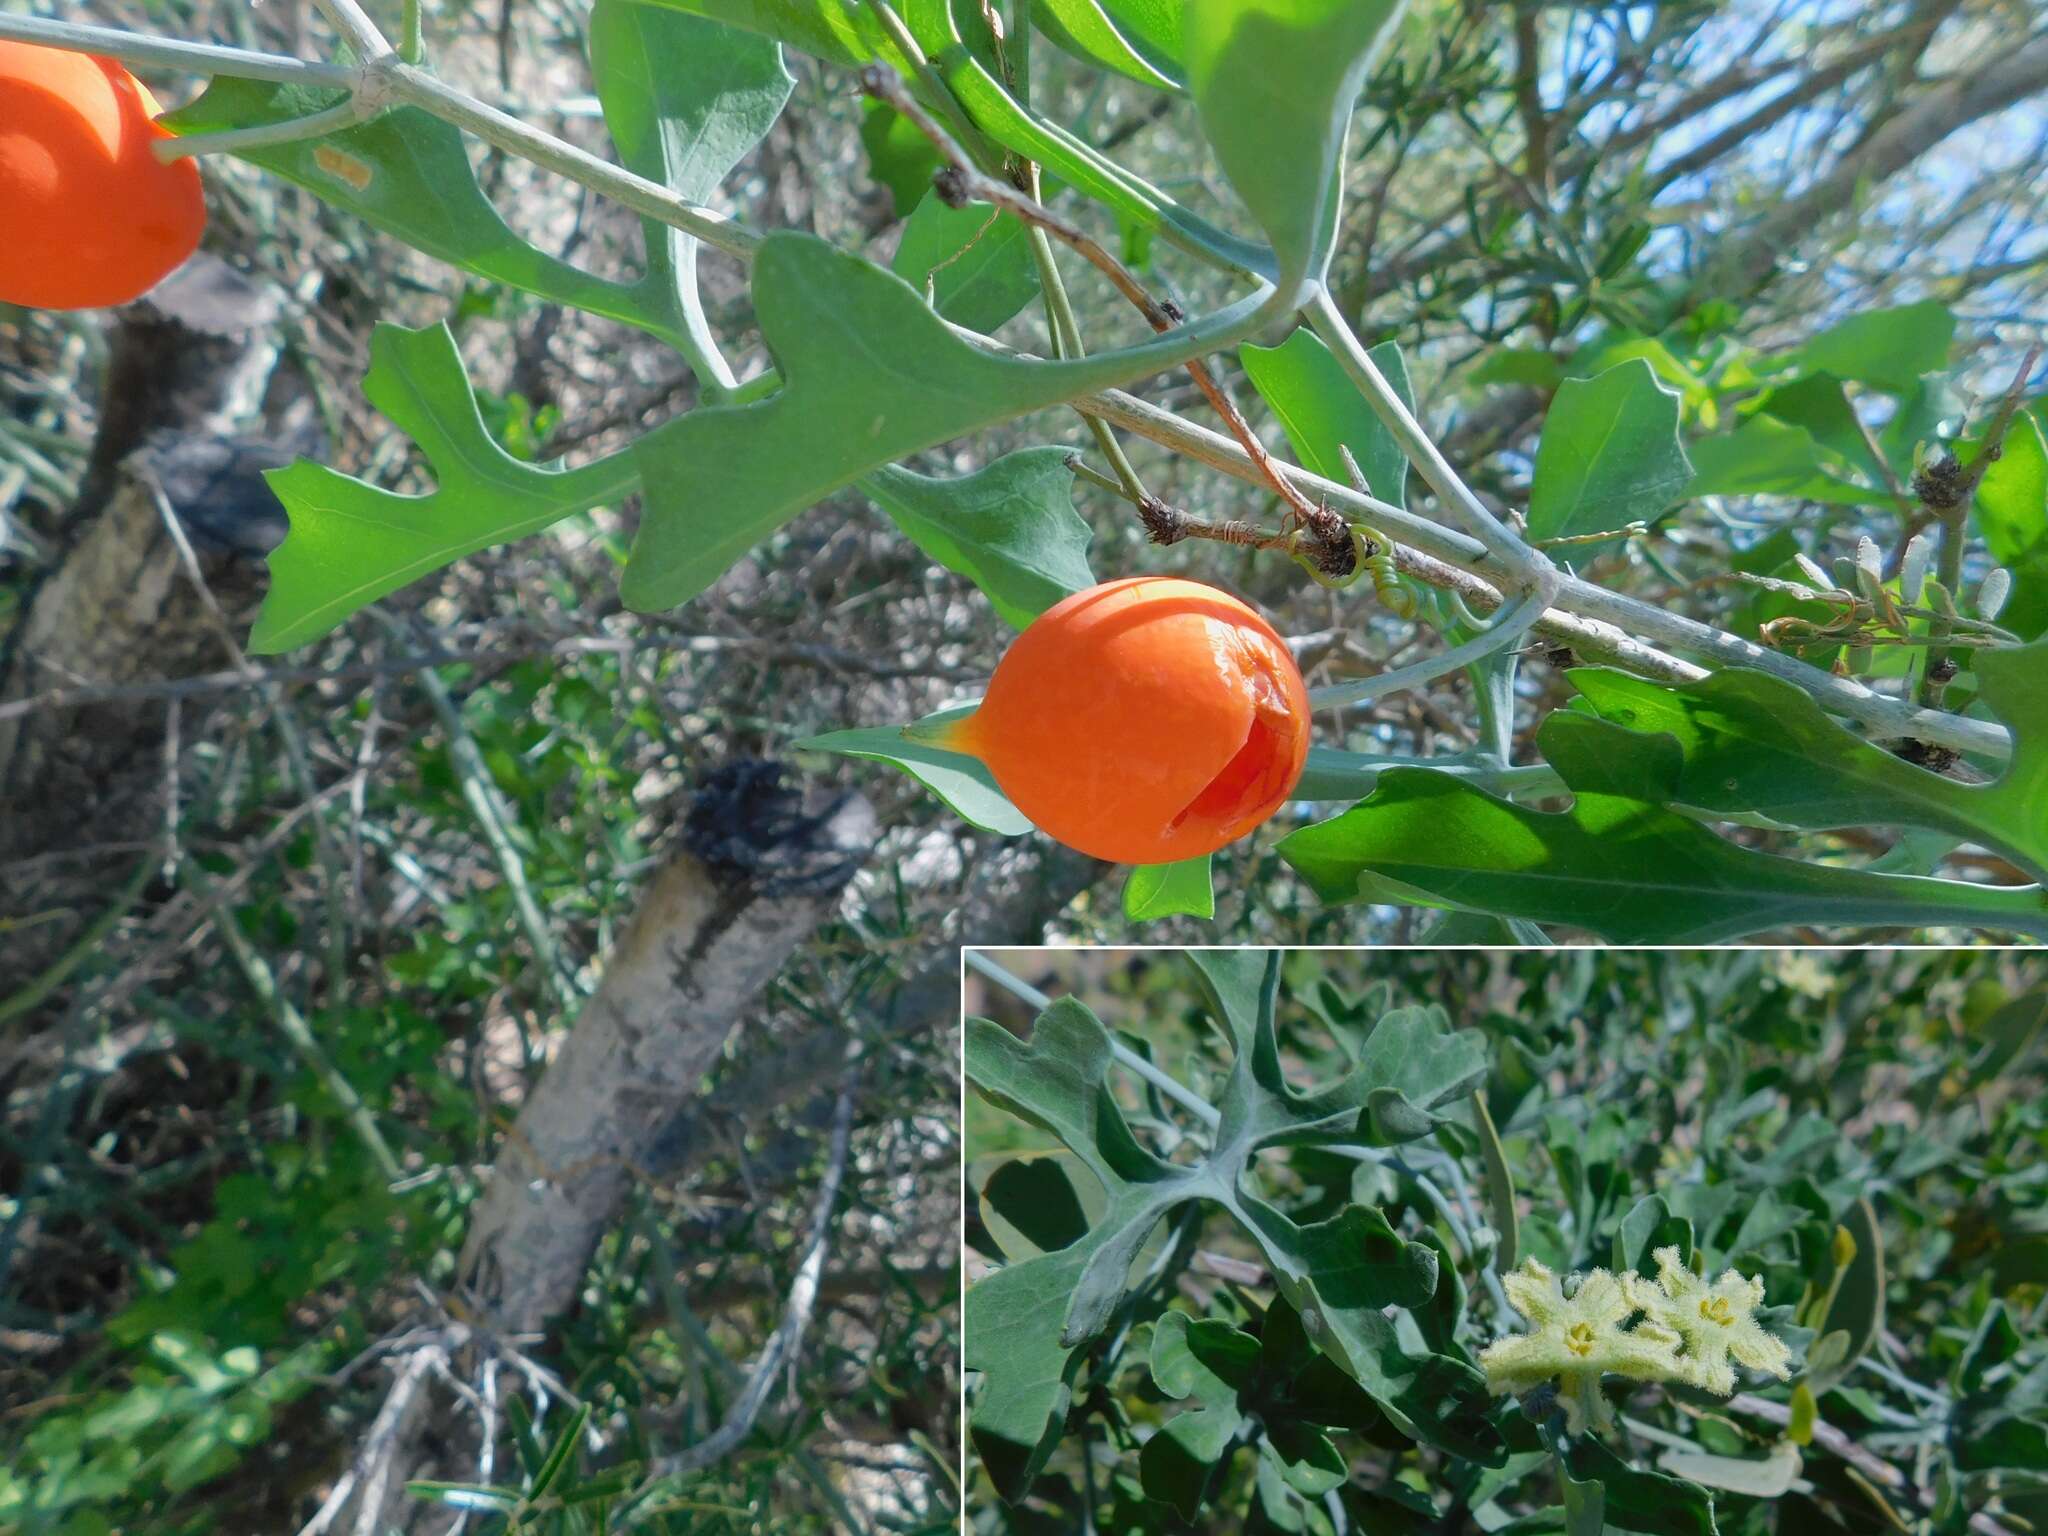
[1010,527]
[1153,891]
[407,173]
[960,781]
[1275,82]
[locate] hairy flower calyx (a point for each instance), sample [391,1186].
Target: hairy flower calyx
[1687,1331]
[1717,1322]
[1576,1339]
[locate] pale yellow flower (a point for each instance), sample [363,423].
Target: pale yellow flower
[1576,1339]
[1716,1321]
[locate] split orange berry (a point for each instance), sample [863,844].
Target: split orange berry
[1143,721]
[91,216]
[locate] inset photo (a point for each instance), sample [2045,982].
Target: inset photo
[1420,1241]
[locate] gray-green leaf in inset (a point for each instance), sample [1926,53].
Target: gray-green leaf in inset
[957,779]
[1610,454]
[1634,1499]
[1025,1321]
[1322,411]
[1857,1308]
[1620,866]
[1500,1186]
[1751,742]
[1034,1195]
[1010,528]
[870,375]
[1275,83]
[351,542]
[686,100]
[975,262]
[1214,1364]
[1154,891]
[408,174]
[1648,1226]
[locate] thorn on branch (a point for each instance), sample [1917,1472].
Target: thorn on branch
[1941,484]
[1163,524]
[1326,543]
[951,183]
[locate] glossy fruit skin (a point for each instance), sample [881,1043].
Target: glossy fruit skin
[91,216]
[1144,721]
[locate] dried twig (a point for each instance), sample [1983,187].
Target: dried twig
[1869,1463]
[371,1470]
[1946,488]
[787,1339]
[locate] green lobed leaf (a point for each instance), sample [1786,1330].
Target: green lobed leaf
[899,157]
[1214,1364]
[2012,498]
[975,262]
[350,542]
[869,374]
[1887,348]
[1585,1503]
[1626,869]
[1610,454]
[1637,1500]
[1768,457]
[1858,1308]
[1139,39]
[1322,412]
[1275,82]
[1010,527]
[686,100]
[846,32]
[1818,403]
[1751,742]
[408,174]
[1153,891]
[960,781]
[1025,1321]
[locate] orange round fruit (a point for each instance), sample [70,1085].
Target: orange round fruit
[92,218]
[1143,721]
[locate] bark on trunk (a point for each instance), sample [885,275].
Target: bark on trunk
[715,925]
[187,366]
